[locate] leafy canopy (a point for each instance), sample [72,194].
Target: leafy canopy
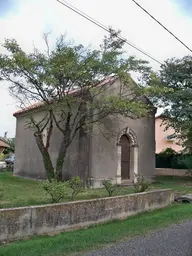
[49,77]
[175,79]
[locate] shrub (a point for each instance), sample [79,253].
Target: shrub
[187,161]
[171,159]
[3,157]
[77,186]
[165,158]
[57,190]
[168,152]
[110,188]
[141,184]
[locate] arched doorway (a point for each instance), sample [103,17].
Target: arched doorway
[125,157]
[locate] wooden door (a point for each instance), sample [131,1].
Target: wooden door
[125,157]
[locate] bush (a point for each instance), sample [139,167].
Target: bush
[168,152]
[110,188]
[3,157]
[77,186]
[141,184]
[187,161]
[57,190]
[164,159]
[171,159]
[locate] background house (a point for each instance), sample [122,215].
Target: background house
[165,138]
[3,145]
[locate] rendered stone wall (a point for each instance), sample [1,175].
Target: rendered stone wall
[170,172]
[16,223]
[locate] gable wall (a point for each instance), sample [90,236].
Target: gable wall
[28,160]
[95,156]
[104,157]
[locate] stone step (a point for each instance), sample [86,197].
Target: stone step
[126,182]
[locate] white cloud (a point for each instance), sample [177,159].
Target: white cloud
[35,17]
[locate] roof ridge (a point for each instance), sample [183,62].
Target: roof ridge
[37,105]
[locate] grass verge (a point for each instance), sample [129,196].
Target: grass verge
[94,237]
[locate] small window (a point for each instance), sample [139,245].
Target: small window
[171,137]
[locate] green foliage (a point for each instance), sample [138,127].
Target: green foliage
[168,152]
[3,156]
[141,184]
[175,77]
[50,76]
[77,186]
[11,143]
[187,161]
[166,158]
[169,158]
[110,188]
[56,189]
[30,192]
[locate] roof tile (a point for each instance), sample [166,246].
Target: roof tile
[37,105]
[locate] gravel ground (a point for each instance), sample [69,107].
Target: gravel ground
[173,241]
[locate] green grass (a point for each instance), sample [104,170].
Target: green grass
[24,192]
[181,185]
[94,237]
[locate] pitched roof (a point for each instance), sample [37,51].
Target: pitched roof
[109,80]
[27,109]
[3,144]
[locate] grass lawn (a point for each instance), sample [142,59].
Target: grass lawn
[24,192]
[94,237]
[181,185]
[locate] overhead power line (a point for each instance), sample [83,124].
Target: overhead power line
[97,23]
[162,25]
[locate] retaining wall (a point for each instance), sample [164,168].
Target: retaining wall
[16,223]
[170,172]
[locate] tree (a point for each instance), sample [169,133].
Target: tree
[11,143]
[175,79]
[51,78]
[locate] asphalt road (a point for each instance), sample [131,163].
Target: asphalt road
[173,241]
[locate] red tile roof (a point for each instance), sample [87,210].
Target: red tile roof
[34,106]
[3,144]
[37,105]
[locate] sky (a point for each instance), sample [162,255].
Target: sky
[7,6]
[27,20]
[186,5]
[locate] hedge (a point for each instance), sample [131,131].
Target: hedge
[174,161]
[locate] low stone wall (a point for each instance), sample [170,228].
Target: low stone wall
[170,172]
[16,223]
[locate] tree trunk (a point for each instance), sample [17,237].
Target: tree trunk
[46,157]
[61,157]
[64,146]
